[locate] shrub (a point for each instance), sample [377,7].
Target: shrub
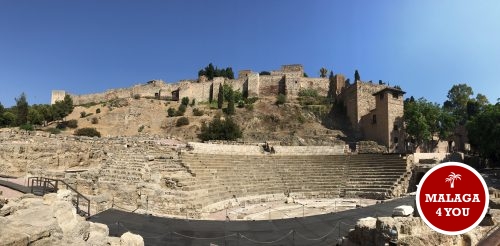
[89,132]
[193,102]
[27,127]
[198,112]
[182,121]
[230,107]
[308,93]
[71,123]
[137,96]
[251,100]
[53,130]
[98,111]
[249,107]
[171,112]
[185,101]
[264,73]
[94,120]
[140,128]
[281,99]
[241,104]
[219,129]
[61,126]
[83,114]
[181,110]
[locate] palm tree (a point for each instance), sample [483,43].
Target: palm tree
[323,72]
[451,178]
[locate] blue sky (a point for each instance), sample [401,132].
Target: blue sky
[91,46]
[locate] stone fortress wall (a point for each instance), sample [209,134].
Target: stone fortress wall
[289,80]
[358,98]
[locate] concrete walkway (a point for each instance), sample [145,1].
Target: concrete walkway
[312,230]
[14,186]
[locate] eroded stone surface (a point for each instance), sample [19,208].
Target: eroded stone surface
[52,220]
[411,231]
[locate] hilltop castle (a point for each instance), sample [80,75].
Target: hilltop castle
[374,110]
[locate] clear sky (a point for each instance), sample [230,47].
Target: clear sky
[86,46]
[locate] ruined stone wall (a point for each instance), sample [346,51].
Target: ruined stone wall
[226,149]
[338,84]
[309,150]
[384,123]
[143,90]
[198,91]
[256,85]
[253,85]
[244,73]
[270,84]
[395,112]
[321,85]
[57,95]
[31,153]
[257,149]
[366,101]
[411,231]
[349,97]
[237,84]
[359,100]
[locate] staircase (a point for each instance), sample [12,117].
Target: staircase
[41,186]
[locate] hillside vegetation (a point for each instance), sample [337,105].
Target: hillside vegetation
[263,120]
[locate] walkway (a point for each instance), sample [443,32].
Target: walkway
[14,186]
[313,230]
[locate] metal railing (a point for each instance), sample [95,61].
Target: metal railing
[44,185]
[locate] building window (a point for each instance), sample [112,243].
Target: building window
[381,96]
[395,95]
[374,119]
[396,139]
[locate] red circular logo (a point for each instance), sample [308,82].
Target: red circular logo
[452,198]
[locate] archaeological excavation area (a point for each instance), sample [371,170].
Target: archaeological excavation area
[169,178]
[227,194]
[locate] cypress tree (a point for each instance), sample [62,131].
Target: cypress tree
[230,104]
[220,97]
[356,76]
[22,109]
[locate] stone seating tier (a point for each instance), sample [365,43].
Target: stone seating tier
[227,176]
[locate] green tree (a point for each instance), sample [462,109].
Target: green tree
[356,76]
[238,96]
[22,107]
[331,76]
[484,132]
[305,75]
[220,97]
[34,117]
[458,97]
[425,120]
[323,72]
[210,71]
[2,111]
[63,108]
[227,90]
[9,118]
[219,129]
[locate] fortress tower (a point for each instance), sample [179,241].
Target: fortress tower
[57,95]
